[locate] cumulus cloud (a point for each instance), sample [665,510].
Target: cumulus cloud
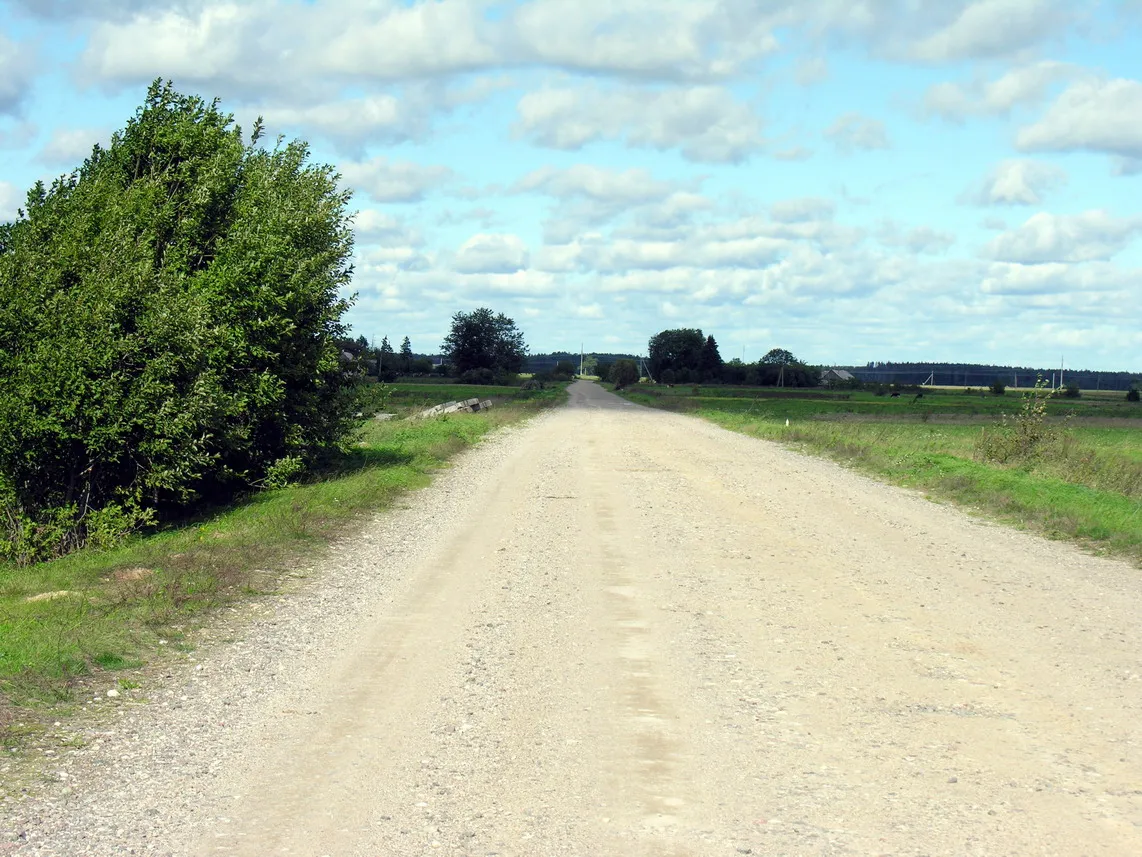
[1054,277]
[988,29]
[633,185]
[1025,85]
[920,239]
[853,131]
[796,153]
[352,123]
[261,43]
[812,71]
[1090,236]
[394,181]
[377,227]
[11,201]
[1016,182]
[706,123]
[71,146]
[1092,115]
[17,70]
[491,254]
[803,208]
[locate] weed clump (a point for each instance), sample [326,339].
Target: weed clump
[1024,436]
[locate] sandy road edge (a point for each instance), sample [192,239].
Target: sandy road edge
[120,751]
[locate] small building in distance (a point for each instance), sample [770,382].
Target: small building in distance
[829,377]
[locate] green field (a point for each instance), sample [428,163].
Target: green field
[90,612]
[1081,480]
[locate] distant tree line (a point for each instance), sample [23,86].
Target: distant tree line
[983,375]
[687,356]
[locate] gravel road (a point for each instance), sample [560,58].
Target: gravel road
[616,631]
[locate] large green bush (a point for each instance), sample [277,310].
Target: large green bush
[168,317]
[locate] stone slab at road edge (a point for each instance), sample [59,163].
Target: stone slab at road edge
[616,631]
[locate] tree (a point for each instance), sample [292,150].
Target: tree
[590,364]
[1133,395]
[678,350]
[406,356]
[483,340]
[623,373]
[779,357]
[998,387]
[710,361]
[169,318]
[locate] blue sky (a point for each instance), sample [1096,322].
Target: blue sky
[853,180]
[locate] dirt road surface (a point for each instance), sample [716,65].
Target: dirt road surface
[626,632]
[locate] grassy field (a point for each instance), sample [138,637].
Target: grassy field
[92,612]
[1081,479]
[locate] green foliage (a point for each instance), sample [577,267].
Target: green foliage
[169,319]
[406,355]
[1133,395]
[624,373]
[1024,436]
[1072,391]
[998,387]
[483,340]
[779,357]
[710,360]
[679,351]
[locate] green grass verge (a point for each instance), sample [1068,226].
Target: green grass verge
[1086,485]
[90,612]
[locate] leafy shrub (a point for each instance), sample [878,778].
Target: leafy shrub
[624,373]
[998,387]
[1024,436]
[1072,391]
[169,314]
[1133,395]
[478,376]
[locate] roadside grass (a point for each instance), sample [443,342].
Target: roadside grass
[1084,484]
[63,621]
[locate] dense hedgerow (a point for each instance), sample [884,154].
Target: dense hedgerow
[168,314]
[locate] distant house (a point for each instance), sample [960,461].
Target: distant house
[835,376]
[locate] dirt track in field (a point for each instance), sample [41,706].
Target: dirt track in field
[626,632]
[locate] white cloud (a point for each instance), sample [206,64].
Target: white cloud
[796,153]
[988,29]
[706,123]
[803,208]
[1025,85]
[920,239]
[812,70]
[492,254]
[377,227]
[17,70]
[1016,182]
[695,41]
[11,200]
[1097,116]
[352,123]
[634,185]
[853,131]
[1055,277]
[1090,236]
[394,181]
[71,146]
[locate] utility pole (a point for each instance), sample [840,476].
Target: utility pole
[580,359]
